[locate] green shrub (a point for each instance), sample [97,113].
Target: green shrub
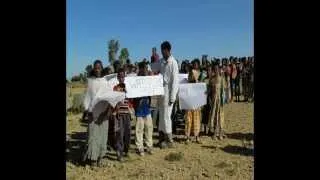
[174,156]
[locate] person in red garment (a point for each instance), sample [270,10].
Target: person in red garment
[154,56]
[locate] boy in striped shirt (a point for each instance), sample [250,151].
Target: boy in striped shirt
[122,119]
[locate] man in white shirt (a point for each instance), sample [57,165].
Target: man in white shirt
[169,71]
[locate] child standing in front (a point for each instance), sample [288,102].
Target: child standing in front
[144,124]
[193,117]
[122,119]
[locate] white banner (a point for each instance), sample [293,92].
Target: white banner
[98,90]
[103,99]
[140,86]
[112,79]
[110,76]
[112,97]
[192,95]
[113,82]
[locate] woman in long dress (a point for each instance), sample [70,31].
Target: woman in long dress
[217,87]
[98,120]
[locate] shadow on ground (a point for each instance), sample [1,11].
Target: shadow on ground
[241,136]
[75,146]
[238,150]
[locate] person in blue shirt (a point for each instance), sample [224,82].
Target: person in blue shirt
[144,121]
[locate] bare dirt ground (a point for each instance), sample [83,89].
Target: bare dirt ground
[231,158]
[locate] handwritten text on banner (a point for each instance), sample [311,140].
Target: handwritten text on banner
[140,86]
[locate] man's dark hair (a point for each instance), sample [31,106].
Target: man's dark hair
[106,70]
[196,61]
[142,65]
[98,62]
[213,65]
[116,62]
[116,66]
[166,45]
[91,73]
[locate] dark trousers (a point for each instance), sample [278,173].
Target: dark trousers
[245,88]
[122,133]
[251,90]
[155,117]
[237,89]
[174,117]
[232,87]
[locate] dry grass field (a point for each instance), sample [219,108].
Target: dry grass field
[231,158]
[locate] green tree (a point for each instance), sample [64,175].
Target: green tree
[88,70]
[82,77]
[113,47]
[124,55]
[75,78]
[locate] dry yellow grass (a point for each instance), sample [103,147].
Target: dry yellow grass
[226,159]
[77,87]
[78,90]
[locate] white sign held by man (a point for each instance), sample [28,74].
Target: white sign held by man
[192,95]
[140,86]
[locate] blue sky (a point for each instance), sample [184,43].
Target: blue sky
[194,27]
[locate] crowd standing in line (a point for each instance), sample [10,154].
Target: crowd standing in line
[227,80]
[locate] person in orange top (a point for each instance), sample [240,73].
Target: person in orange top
[122,119]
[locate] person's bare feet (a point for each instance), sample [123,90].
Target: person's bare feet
[198,140]
[220,137]
[214,137]
[187,140]
[141,152]
[170,145]
[149,151]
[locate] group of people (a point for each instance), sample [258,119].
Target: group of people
[113,126]
[238,74]
[226,81]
